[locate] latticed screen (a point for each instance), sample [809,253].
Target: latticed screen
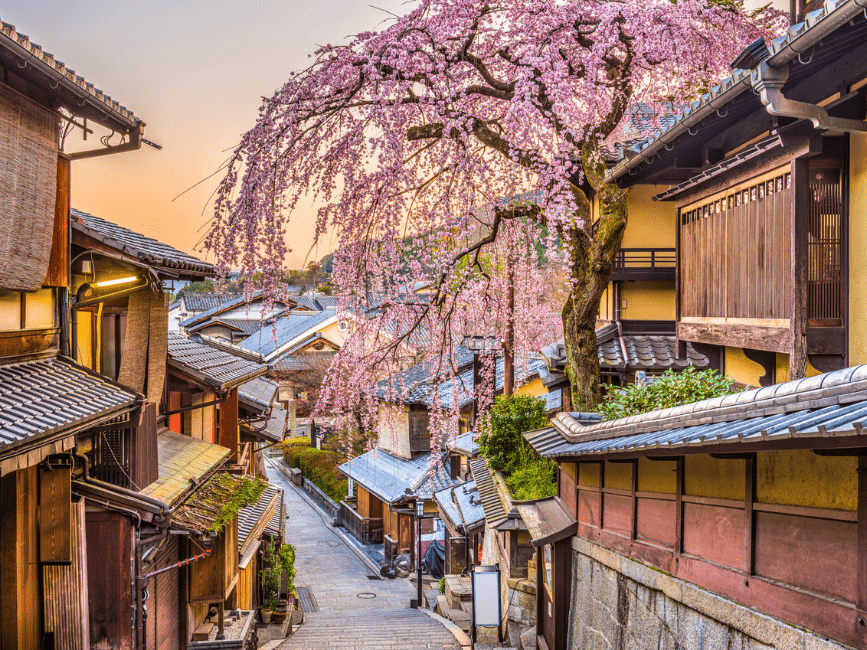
[419,431]
[111,457]
[825,247]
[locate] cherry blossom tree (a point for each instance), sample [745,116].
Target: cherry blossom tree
[465,144]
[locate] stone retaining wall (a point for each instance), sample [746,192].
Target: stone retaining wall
[619,604]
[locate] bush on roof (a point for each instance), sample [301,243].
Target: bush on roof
[667,390]
[320,467]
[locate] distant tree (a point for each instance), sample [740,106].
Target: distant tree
[205,286]
[501,431]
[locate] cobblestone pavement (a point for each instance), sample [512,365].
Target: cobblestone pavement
[355,612]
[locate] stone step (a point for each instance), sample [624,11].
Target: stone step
[442,605]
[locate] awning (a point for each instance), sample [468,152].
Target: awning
[183,463]
[253,519]
[548,520]
[43,403]
[213,505]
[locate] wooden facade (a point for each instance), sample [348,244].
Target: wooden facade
[739,525]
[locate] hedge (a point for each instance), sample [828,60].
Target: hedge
[320,467]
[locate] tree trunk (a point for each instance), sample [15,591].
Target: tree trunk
[592,260]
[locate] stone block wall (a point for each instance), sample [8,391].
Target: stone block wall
[620,604]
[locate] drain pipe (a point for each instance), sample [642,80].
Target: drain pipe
[165,509]
[769,82]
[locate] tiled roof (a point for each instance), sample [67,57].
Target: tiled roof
[276,526]
[832,405]
[183,463]
[146,250]
[301,361]
[799,38]
[391,479]
[39,398]
[244,326]
[309,302]
[327,302]
[461,504]
[416,382]
[465,444]
[34,55]
[209,504]
[258,393]
[199,301]
[643,352]
[495,513]
[230,304]
[215,367]
[463,385]
[275,428]
[287,327]
[257,516]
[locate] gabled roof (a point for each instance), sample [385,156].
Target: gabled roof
[258,394]
[393,479]
[462,505]
[183,463]
[288,328]
[828,406]
[202,300]
[274,429]
[465,444]
[49,396]
[144,249]
[68,89]
[216,368]
[239,325]
[301,361]
[228,305]
[495,513]
[255,518]
[308,302]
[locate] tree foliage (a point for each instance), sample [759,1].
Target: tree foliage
[501,440]
[463,127]
[670,389]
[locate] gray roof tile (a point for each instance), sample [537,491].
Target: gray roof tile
[391,479]
[39,398]
[288,326]
[215,367]
[146,250]
[258,393]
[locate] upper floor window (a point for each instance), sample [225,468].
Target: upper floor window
[21,311]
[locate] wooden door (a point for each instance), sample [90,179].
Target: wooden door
[554,580]
[164,612]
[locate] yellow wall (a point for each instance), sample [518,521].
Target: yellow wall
[84,352]
[857,249]
[715,478]
[657,476]
[618,475]
[741,369]
[533,388]
[801,478]
[647,301]
[333,334]
[10,310]
[588,474]
[651,223]
[39,311]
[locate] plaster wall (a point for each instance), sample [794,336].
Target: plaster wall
[332,333]
[857,249]
[533,388]
[620,603]
[651,224]
[394,430]
[648,300]
[741,369]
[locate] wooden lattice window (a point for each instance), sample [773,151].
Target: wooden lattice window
[111,457]
[825,247]
[419,431]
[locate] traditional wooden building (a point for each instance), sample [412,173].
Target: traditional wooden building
[764,178]
[460,509]
[741,516]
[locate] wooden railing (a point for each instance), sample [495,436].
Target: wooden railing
[644,264]
[366,530]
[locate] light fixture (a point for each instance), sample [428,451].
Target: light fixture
[110,283]
[86,267]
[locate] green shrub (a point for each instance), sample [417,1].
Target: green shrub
[535,480]
[319,467]
[299,441]
[669,389]
[441,585]
[501,440]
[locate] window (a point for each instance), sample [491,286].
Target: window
[419,431]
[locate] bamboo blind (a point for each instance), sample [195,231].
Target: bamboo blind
[28,182]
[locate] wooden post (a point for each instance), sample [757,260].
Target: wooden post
[634,524]
[798,295]
[861,596]
[678,515]
[229,424]
[749,517]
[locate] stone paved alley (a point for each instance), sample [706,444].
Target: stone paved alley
[349,618]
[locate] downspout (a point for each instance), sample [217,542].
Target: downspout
[769,82]
[165,509]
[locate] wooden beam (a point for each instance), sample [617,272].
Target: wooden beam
[862,533]
[749,518]
[229,424]
[678,514]
[755,337]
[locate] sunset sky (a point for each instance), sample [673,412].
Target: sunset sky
[195,72]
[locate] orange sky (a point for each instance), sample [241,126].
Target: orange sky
[195,72]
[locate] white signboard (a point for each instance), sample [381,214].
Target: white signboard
[486,596]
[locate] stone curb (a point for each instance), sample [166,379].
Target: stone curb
[460,636]
[361,556]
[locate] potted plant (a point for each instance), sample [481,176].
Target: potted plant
[270,580]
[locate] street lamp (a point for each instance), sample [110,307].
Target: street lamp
[419,513]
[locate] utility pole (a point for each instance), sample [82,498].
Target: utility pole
[509,340]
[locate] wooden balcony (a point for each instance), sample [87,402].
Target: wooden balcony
[366,530]
[634,264]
